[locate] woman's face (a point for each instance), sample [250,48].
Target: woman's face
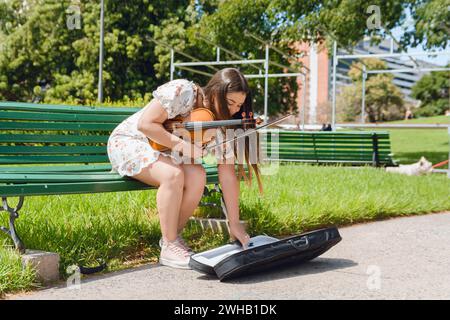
[234,101]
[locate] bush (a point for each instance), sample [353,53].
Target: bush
[432,109]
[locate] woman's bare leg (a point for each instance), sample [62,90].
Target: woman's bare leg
[194,185]
[169,177]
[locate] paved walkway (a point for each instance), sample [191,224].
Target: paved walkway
[403,258]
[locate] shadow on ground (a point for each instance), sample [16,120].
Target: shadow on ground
[318,265]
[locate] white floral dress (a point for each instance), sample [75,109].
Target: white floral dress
[128,148]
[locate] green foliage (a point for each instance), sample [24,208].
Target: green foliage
[13,275]
[41,59]
[431,20]
[433,92]
[345,21]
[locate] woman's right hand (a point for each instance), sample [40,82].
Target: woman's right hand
[190,150]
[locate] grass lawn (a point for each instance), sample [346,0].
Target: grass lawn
[408,145]
[13,277]
[429,120]
[431,143]
[123,227]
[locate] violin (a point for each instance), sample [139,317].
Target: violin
[203,119]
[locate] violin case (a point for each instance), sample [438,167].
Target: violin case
[263,252]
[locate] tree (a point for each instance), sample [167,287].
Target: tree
[431,19]
[283,23]
[40,58]
[383,99]
[433,92]
[43,58]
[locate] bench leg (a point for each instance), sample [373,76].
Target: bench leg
[13,215]
[208,192]
[216,223]
[223,206]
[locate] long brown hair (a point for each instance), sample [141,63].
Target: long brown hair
[226,81]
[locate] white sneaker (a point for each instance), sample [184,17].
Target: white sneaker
[174,255]
[181,241]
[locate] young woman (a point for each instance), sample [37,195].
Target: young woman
[226,95]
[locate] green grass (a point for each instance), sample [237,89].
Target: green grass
[13,276]
[408,145]
[436,119]
[302,197]
[123,229]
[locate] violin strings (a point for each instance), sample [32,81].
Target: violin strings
[211,124]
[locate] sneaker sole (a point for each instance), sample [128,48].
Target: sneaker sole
[173,264]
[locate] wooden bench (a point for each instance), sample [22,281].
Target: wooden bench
[57,150]
[345,147]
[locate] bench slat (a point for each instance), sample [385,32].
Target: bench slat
[53,150]
[23,106]
[77,169]
[58,177]
[34,189]
[57,168]
[53,138]
[62,126]
[327,139]
[38,116]
[324,146]
[324,155]
[71,188]
[52,159]
[324,133]
[331,161]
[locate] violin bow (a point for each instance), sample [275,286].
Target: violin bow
[248,132]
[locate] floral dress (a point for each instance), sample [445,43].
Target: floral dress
[128,148]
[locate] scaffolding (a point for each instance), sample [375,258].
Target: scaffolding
[265,63]
[365,73]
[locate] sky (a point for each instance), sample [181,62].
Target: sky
[398,32]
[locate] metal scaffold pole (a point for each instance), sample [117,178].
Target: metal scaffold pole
[266,84]
[333,113]
[100,58]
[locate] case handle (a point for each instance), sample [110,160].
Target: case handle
[299,246]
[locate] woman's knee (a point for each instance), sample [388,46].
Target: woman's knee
[162,172]
[195,175]
[174,176]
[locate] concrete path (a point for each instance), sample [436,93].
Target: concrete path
[403,258]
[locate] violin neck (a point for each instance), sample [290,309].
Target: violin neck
[211,124]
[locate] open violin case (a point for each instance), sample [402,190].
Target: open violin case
[264,252]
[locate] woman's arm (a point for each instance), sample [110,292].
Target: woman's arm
[231,190]
[150,124]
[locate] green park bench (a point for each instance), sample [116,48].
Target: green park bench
[343,147]
[57,150]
